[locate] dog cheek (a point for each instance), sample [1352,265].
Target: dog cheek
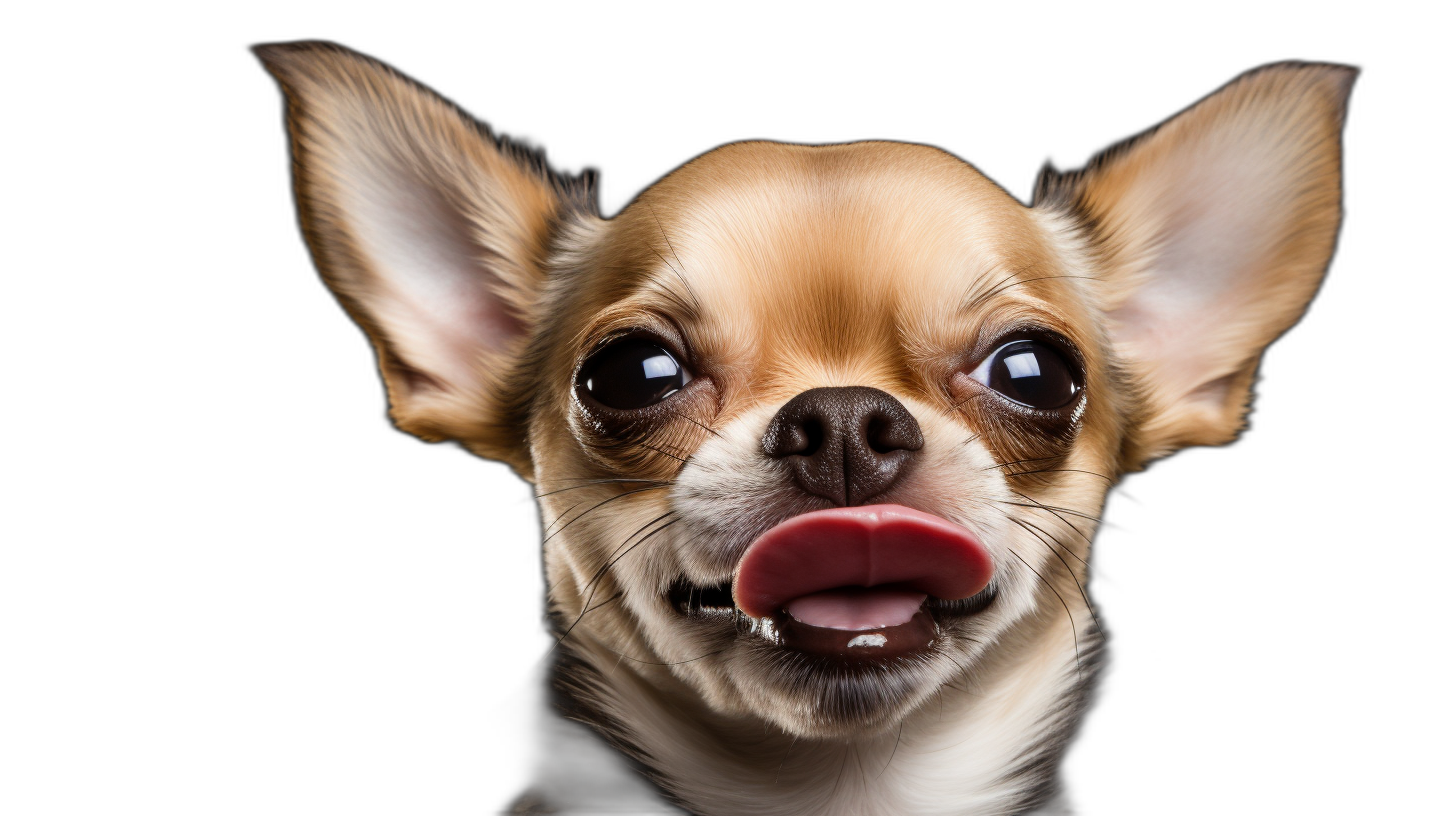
[726,494]
[959,477]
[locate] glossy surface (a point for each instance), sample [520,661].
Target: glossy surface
[914,636]
[1031,373]
[632,373]
[869,546]
[856,608]
[846,444]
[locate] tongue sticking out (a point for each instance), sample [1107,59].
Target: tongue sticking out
[859,568]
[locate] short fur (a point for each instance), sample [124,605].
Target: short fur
[485,279]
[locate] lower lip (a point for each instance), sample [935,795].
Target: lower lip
[914,636]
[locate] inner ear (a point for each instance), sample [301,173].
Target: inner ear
[432,232]
[1212,232]
[439,296]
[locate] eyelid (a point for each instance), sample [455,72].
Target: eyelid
[670,342]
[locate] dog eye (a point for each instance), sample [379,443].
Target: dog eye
[632,373]
[1031,373]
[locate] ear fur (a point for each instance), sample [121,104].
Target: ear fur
[1212,231]
[432,233]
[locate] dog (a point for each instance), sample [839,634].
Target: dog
[821,434]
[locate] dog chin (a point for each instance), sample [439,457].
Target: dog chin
[827,693]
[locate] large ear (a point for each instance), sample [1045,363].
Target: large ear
[431,232]
[1212,232]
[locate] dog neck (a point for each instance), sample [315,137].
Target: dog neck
[988,745]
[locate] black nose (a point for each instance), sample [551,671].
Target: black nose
[845,444]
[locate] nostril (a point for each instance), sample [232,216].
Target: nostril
[846,444]
[887,434]
[874,435]
[813,437]
[793,436]
[880,436]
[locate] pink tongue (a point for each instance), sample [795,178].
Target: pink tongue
[816,566]
[856,608]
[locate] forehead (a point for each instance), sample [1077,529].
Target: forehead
[821,251]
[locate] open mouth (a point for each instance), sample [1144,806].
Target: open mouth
[857,583]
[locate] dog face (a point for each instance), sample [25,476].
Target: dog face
[745,271]
[819,431]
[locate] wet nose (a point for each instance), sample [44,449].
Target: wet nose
[846,444]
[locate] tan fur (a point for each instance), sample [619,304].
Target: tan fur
[505,209]
[771,269]
[1284,124]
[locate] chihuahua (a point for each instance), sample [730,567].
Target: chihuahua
[821,434]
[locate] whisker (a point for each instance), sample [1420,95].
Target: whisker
[898,735]
[615,597]
[978,301]
[588,510]
[985,288]
[1081,589]
[564,514]
[599,504]
[621,657]
[1033,528]
[595,482]
[792,743]
[843,763]
[679,269]
[1092,519]
[615,557]
[957,406]
[1021,462]
[697,423]
[625,444]
[1061,470]
[1076,646]
[605,567]
[664,453]
[1063,519]
[612,558]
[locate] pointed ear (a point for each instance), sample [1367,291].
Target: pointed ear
[431,232]
[1211,232]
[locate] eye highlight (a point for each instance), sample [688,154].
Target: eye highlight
[1030,373]
[632,373]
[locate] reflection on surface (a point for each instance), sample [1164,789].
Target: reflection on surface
[1023,365]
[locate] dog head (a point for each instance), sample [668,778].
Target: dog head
[818,430]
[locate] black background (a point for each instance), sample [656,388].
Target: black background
[369,615]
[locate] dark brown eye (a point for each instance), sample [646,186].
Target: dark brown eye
[632,373]
[1031,373]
